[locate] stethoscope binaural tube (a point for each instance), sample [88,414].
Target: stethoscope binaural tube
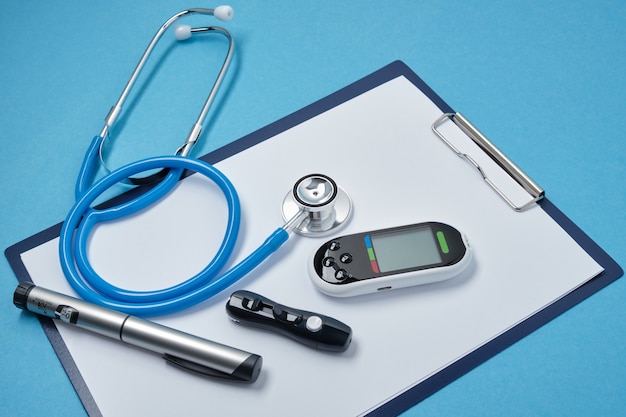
[165,178]
[95,154]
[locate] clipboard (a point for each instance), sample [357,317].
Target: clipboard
[518,195]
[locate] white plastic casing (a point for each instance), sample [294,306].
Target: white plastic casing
[382,284]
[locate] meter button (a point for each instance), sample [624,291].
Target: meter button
[334,245]
[345,258]
[314,323]
[341,274]
[328,261]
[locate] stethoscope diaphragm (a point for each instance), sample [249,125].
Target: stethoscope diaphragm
[327,206]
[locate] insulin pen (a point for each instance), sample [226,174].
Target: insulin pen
[178,348]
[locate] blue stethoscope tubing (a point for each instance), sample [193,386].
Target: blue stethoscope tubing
[82,218]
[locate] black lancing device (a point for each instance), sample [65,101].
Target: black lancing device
[314,330]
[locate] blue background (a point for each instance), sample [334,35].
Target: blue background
[543,80]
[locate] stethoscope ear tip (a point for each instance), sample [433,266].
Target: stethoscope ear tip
[224,13]
[182,32]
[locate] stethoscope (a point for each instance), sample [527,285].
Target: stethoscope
[315,206]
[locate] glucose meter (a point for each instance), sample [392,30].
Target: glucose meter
[384,259]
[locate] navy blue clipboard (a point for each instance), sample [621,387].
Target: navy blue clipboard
[419,392]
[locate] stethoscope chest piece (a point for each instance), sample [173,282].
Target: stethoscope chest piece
[320,205]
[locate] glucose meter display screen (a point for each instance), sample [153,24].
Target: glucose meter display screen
[405,249]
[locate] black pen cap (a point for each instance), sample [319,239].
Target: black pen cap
[247,371]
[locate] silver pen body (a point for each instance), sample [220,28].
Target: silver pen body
[179,348]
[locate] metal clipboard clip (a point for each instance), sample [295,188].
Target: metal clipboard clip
[531,187]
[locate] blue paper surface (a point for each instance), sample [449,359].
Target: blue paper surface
[543,81]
